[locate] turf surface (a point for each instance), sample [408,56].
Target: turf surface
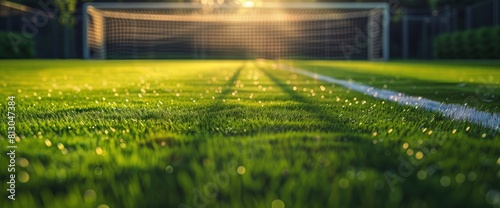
[474,83]
[243,134]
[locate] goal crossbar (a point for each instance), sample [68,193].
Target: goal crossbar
[265,5]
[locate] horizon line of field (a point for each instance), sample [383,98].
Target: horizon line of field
[453,111]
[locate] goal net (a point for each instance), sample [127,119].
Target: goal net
[209,30]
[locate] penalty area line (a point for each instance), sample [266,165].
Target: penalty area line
[453,111]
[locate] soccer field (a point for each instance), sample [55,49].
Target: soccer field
[234,133]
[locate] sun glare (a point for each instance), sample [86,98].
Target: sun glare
[248,4]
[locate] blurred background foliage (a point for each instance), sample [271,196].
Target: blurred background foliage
[481,43]
[25,49]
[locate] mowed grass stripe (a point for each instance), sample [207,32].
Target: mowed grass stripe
[327,149]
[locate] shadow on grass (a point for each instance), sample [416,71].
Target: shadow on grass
[334,123]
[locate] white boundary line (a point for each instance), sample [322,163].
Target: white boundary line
[454,111]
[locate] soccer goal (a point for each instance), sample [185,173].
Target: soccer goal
[213,30]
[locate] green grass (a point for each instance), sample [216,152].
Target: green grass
[475,83]
[240,134]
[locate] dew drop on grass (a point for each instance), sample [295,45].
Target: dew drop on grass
[405,145]
[89,195]
[460,178]
[445,181]
[241,170]
[48,143]
[98,150]
[344,183]
[471,176]
[361,176]
[169,169]
[98,171]
[421,174]
[277,203]
[493,197]
[60,146]
[419,155]
[23,162]
[350,174]
[23,176]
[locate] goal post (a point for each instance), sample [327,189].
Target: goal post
[309,30]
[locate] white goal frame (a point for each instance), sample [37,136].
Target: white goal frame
[385,7]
